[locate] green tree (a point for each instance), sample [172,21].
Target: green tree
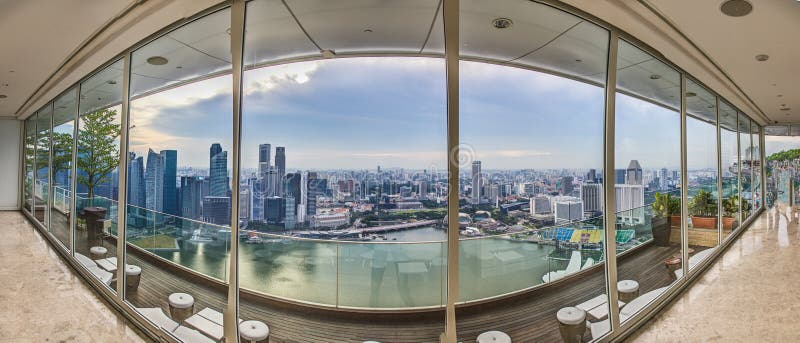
[98,148]
[62,153]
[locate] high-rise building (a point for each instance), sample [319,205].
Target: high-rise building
[218,171]
[568,210]
[275,209]
[592,197]
[476,182]
[154,182]
[191,197]
[280,161]
[619,176]
[169,162]
[629,203]
[633,175]
[290,219]
[663,179]
[591,176]
[540,205]
[264,158]
[136,183]
[217,210]
[566,185]
[257,196]
[244,204]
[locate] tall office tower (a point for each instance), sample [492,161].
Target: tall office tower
[633,175]
[316,187]
[592,197]
[591,176]
[619,176]
[274,209]
[217,210]
[244,204]
[154,182]
[257,200]
[290,220]
[422,190]
[629,203]
[663,179]
[169,161]
[540,205]
[264,157]
[476,182]
[136,184]
[493,193]
[191,197]
[218,171]
[566,185]
[302,207]
[270,180]
[280,160]
[291,186]
[568,210]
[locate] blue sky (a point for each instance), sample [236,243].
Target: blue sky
[356,113]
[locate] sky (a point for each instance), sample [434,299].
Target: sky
[357,113]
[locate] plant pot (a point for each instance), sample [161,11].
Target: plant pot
[661,231]
[675,220]
[727,223]
[704,222]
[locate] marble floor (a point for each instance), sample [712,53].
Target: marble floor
[748,295]
[42,299]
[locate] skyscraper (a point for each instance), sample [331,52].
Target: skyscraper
[592,197]
[566,185]
[169,163]
[264,158]
[591,176]
[154,182]
[136,184]
[218,171]
[476,182]
[191,197]
[629,203]
[633,175]
[280,160]
[217,210]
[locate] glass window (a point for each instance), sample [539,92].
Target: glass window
[745,167]
[782,151]
[531,167]
[730,168]
[41,187]
[647,178]
[179,190]
[61,167]
[30,160]
[701,167]
[755,164]
[97,171]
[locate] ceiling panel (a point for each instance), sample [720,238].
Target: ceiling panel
[272,34]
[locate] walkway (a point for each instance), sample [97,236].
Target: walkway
[43,299]
[749,295]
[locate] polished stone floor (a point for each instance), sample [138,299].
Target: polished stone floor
[43,300]
[748,295]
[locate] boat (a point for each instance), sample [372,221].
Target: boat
[254,238]
[199,237]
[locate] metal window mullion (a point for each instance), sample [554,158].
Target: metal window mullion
[49,200]
[74,170]
[739,171]
[684,185]
[122,194]
[231,312]
[451,20]
[719,178]
[762,167]
[609,136]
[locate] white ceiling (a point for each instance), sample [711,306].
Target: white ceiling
[541,38]
[38,35]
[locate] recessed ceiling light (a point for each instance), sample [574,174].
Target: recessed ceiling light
[367,30]
[655,77]
[762,58]
[328,53]
[785,109]
[111,82]
[690,94]
[99,99]
[3,96]
[157,60]
[710,106]
[578,60]
[781,95]
[736,8]
[502,23]
[179,67]
[10,71]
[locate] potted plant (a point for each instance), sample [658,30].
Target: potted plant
[730,209]
[664,206]
[703,209]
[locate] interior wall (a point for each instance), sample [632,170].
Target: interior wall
[9,163]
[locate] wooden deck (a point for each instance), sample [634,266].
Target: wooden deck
[528,317]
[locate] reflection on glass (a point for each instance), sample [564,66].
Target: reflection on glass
[179,191]
[745,167]
[41,187]
[646,179]
[61,165]
[30,160]
[755,164]
[730,168]
[701,165]
[96,172]
[530,182]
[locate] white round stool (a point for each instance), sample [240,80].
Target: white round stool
[132,276]
[627,290]
[181,306]
[571,324]
[494,337]
[254,331]
[98,253]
